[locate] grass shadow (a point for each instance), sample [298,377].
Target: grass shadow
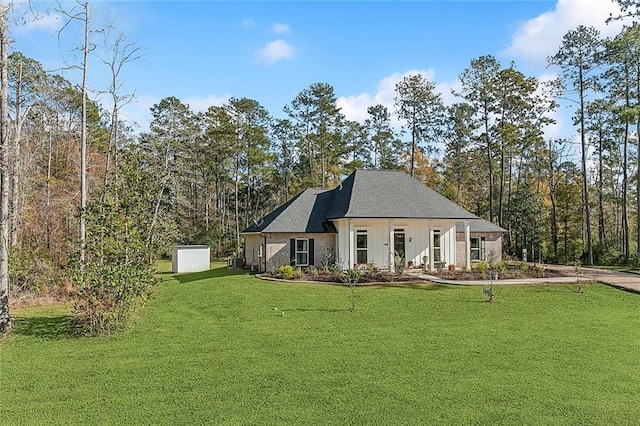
[46,327]
[413,286]
[319,310]
[222,271]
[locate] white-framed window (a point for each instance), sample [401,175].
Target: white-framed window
[437,246]
[302,251]
[478,249]
[361,246]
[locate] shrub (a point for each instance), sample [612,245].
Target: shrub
[369,270]
[297,273]
[483,267]
[336,271]
[116,277]
[328,259]
[109,295]
[351,276]
[440,266]
[33,273]
[398,264]
[286,272]
[500,267]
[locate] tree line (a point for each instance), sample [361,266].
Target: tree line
[83,193]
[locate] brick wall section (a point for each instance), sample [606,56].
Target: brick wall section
[278,250]
[252,250]
[493,247]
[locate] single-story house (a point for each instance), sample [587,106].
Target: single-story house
[486,241]
[377,217]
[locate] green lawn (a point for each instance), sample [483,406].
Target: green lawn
[215,348]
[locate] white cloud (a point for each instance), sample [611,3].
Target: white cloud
[445,88]
[354,107]
[275,51]
[138,112]
[279,28]
[536,39]
[201,104]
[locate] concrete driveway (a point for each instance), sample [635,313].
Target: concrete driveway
[622,280]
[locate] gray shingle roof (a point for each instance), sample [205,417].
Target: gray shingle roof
[480,225]
[363,194]
[304,213]
[391,194]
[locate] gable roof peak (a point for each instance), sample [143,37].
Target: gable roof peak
[384,193]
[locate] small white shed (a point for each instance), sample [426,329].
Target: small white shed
[190,259]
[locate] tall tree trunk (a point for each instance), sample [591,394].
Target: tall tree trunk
[459,175]
[14,211]
[5,319]
[489,159]
[552,197]
[237,205]
[413,141]
[585,183]
[601,230]
[83,142]
[48,200]
[112,145]
[625,177]
[638,167]
[510,187]
[501,191]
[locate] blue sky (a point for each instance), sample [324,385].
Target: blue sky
[203,52]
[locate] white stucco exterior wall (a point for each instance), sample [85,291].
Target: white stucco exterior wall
[418,240]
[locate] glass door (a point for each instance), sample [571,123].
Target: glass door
[398,244]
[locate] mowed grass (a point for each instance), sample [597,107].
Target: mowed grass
[216,348]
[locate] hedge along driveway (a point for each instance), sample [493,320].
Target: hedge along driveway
[229,349]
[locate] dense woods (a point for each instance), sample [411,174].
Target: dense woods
[202,177]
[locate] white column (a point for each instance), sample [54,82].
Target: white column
[430,245]
[351,245]
[467,243]
[391,248]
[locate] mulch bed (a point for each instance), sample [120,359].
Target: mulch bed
[515,271]
[519,271]
[374,278]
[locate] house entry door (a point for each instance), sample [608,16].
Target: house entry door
[398,244]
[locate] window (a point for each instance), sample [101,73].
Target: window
[361,247]
[437,247]
[302,252]
[477,248]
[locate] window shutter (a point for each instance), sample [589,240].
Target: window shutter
[311,252]
[292,252]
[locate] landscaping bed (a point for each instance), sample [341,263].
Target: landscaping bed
[501,271]
[335,274]
[372,275]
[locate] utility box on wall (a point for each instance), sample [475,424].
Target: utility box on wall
[190,259]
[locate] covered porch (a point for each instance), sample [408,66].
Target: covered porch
[415,242]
